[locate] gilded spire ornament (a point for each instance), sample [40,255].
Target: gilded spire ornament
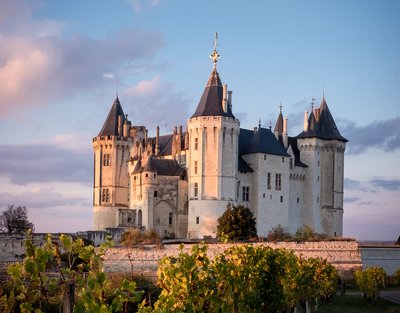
[214,56]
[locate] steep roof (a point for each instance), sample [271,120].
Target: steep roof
[292,141]
[279,124]
[163,167]
[110,126]
[322,125]
[260,140]
[211,101]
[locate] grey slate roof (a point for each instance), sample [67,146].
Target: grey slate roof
[110,126]
[211,101]
[322,126]
[163,167]
[292,141]
[261,140]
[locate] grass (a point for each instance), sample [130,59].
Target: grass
[356,304]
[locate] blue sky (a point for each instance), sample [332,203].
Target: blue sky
[60,62]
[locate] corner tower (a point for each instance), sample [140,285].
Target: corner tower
[213,156]
[110,183]
[322,148]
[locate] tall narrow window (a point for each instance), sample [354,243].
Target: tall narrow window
[291,163]
[170,218]
[196,143]
[195,167]
[106,160]
[245,193]
[278,182]
[197,220]
[196,189]
[105,196]
[268,181]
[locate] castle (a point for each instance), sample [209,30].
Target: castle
[179,184]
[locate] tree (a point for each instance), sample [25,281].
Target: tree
[237,223]
[14,220]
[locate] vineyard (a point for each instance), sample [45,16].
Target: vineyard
[67,276]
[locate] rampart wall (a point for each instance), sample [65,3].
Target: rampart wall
[344,255]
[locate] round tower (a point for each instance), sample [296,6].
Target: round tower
[111,184]
[212,157]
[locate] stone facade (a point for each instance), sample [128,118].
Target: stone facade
[179,184]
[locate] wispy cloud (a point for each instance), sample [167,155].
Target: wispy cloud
[24,164]
[46,65]
[392,185]
[155,103]
[377,134]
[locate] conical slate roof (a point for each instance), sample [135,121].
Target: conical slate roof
[322,125]
[211,102]
[279,124]
[110,126]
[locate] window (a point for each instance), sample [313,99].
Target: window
[195,167]
[263,195]
[298,200]
[170,218]
[318,178]
[317,199]
[281,198]
[318,163]
[196,189]
[283,160]
[105,195]
[268,181]
[278,182]
[155,194]
[106,160]
[291,163]
[265,157]
[196,143]
[197,219]
[245,193]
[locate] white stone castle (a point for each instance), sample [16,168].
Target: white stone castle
[180,184]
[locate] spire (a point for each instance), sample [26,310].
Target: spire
[279,122]
[211,102]
[110,126]
[322,126]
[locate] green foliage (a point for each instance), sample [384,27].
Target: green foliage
[245,278]
[279,233]
[42,279]
[14,220]
[369,281]
[237,223]
[136,236]
[397,275]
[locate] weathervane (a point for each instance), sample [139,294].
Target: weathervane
[312,104]
[280,107]
[215,55]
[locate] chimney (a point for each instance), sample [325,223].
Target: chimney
[157,148]
[180,130]
[224,98]
[305,128]
[230,99]
[127,127]
[120,125]
[284,133]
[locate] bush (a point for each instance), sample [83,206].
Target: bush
[397,275]
[136,236]
[369,281]
[237,223]
[279,233]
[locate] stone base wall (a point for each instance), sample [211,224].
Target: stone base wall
[344,255]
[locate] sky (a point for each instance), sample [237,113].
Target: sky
[63,62]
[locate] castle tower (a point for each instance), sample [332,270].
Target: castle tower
[110,184]
[212,157]
[322,148]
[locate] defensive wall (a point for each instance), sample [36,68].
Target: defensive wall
[344,255]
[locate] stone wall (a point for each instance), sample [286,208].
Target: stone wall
[344,255]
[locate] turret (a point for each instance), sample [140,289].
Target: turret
[212,156]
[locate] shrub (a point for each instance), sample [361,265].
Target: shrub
[397,275]
[237,223]
[136,236]
[279,233]
[369,281]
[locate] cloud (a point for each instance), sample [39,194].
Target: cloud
[392,185]
[351,199]
[352,184]
[39,64]
[139,6]
[155,103]
[378,134]
[24,164]
[40,198]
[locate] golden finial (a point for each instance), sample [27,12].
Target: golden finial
[215,55]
